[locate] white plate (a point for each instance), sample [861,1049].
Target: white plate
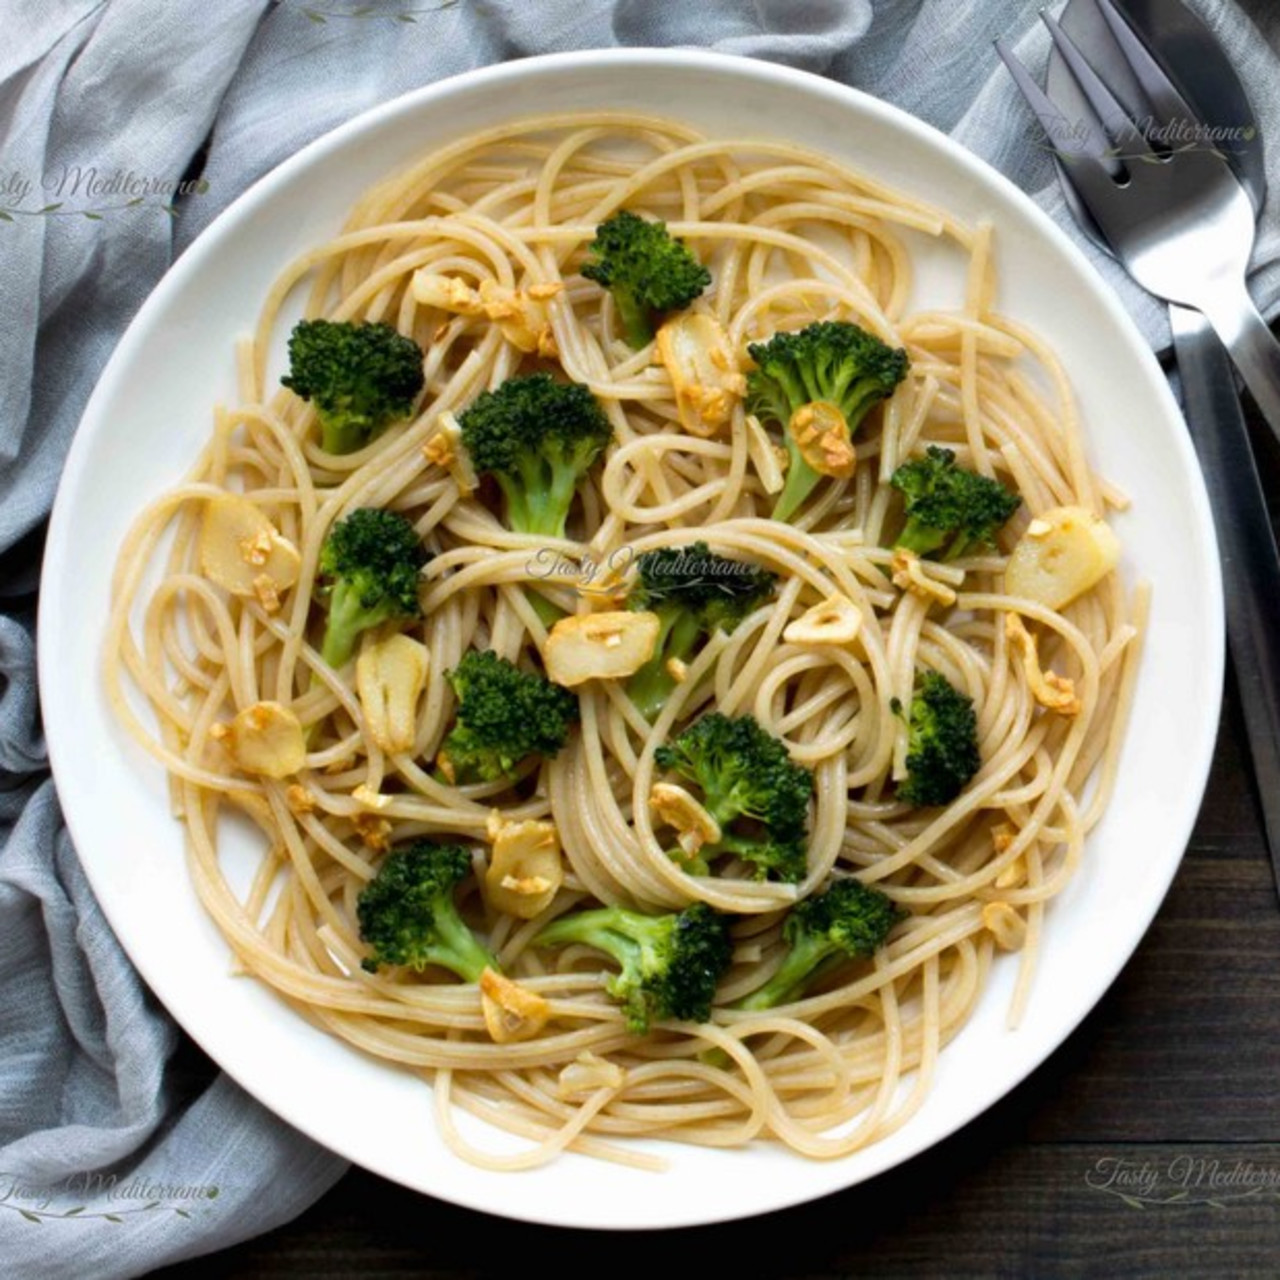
[151,413]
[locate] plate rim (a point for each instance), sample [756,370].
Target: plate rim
[492,76]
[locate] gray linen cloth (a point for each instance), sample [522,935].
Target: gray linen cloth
[105,1108]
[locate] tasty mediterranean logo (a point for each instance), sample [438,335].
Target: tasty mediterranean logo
[86,191]
[1184,1181]
[102,1197]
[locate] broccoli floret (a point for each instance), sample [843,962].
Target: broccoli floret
[942,742]
[831,362]
[360,377]
[407,913]
[369,567]
[949,509]
[537,437]
[647,271]
[695,593]
[505,715]
[753,789]
[849,920]
[670,964]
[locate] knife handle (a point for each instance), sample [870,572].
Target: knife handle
[1250,561]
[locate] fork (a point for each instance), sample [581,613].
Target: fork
[1178,219]
[1250,560]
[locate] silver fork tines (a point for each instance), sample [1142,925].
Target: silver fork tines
[1122,131]
[1168,106]
[1177,218]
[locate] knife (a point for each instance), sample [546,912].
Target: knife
[1247,544]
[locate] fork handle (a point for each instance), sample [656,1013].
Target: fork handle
[1253,348]
[1247,545]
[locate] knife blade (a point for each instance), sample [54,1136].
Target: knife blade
[1247,545]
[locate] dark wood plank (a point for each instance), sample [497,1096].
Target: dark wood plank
[975,1207]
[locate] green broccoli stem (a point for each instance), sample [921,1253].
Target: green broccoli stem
[458,950]
[343,433]
[548,612]
[923,539]
[636,321]
[959,546]
[806,955]
[653,683]
[727,803]
[801,479]
[650,687]
[347,619]
[599,929]
[537,502]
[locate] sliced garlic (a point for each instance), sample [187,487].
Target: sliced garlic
[909,574]
[374,831]
[391,674]
[1048,688]
[1055,565]
[264,587]
[1004,924]
[692,820]
[446,450]
[267,738]
[493,824]
[511,1012]
[768,460]
[523,318]
[299,799]
[372,800]
[587,1073]
[448,293]
[240,548]
[525,870]
[600,646]
[836,620]
[822,436]
[704,374]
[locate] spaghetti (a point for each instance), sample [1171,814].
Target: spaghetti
[790,238]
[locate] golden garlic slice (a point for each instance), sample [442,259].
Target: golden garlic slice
[525,869]
[1005,924]
[448,293]
[768,459]
[445,449]
[243,552]
[511,1012]
[1063,553]
[600,646]
[266,738]
[522,316]
[836,620]
[822,436]
[391,674]
[908,573]
[1048,688]
[678,808]
[695,350]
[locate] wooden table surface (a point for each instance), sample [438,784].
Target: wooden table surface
[1148,1145]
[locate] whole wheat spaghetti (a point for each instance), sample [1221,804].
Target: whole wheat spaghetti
[790,238]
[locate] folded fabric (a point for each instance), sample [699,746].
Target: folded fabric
[121,1147]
